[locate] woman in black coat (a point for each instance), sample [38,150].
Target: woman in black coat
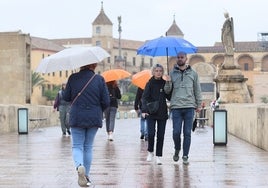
[154,91]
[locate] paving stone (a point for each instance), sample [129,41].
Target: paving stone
[43,159]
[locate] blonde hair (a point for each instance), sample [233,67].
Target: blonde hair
[156,66]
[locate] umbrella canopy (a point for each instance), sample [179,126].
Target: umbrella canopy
[115,74]
[141,78]
[166,46]
[72,58]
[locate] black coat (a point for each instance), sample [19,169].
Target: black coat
[154,91]
[138,99]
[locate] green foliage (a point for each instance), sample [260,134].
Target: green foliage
[130,95]
[264,99]
[37,80]
[132,88]
[51,94]
[125,98]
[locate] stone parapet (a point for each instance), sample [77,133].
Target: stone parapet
[248,122]
[9,116]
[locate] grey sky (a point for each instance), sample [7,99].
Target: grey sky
[200,20]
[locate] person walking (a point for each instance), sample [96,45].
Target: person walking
[184,87]
[63,107]
[138,109]
[157,114]
[89,96]
[110,112]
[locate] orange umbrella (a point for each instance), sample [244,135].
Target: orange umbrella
[141,78]
[115,74]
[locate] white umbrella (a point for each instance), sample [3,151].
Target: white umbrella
[71,59]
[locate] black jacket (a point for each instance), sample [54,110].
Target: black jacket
[115,94]
[138,99]
[154,90]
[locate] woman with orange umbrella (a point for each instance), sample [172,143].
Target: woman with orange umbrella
[111,111]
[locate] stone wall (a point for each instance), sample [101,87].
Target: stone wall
[15,77]
[9,117]
[248,122]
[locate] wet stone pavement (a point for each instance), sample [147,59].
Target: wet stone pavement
[43,159]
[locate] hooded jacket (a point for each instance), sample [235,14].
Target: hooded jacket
[185,88]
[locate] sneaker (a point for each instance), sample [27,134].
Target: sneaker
[82,181]
[69,132]
[88,181]
[142,136]
[176,155]
[150,156]
[110,137]
[158,161]
[64,134]
[185,160]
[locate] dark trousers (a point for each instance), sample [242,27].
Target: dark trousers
[160,134]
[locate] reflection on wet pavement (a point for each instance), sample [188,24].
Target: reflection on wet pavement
[43,159]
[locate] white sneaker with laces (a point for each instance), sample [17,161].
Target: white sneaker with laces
[158,161]
[150,156]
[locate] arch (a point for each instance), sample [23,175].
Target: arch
[204,69]
[264,63]
[195,59]
[246,62]
[217,60]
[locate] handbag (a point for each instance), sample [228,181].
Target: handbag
[67,118]
[153,107]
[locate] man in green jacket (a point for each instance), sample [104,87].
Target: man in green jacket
[184,87]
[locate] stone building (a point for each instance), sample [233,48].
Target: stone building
[15,77]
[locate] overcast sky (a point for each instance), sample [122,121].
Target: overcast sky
[199,20]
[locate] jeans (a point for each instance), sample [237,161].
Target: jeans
[161,127]
[143,127]
[110,114]
[82,144]
[182,117]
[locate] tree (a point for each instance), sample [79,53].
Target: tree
[37,80]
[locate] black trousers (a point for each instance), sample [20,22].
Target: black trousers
[159,127]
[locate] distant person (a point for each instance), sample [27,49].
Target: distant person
[63,107]
[110,112]
[156,116]
[138,109]
[86,114]
[184,87]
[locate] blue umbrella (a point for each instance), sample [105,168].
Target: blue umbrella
[166,46]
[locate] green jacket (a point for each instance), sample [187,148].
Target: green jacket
[185,88]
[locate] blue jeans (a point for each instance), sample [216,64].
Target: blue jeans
[160,134]
[82,141]
[182,117]
[110,114]
[143,127]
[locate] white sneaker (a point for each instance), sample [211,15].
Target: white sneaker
[110,137]
[158,161]
[150,156]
